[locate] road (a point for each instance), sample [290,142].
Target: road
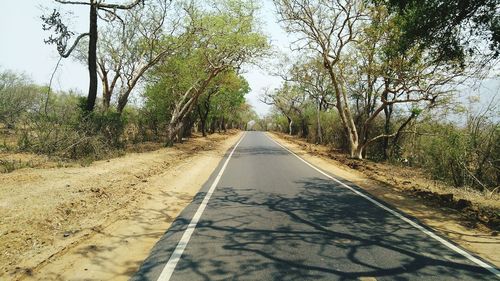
[267,215]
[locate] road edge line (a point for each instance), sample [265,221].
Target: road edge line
[169,268]
[431,234]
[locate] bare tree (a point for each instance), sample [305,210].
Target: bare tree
[290,101]
[126,52]
[63,34]
[328,28]
[336,30]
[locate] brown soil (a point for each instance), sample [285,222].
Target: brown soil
[467,217]
[99,222]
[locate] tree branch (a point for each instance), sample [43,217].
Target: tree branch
[68,53]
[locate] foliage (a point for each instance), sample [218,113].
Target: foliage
[462,155]
[449,26]
[357,87]
[128,48]
[226,37]
[18,95]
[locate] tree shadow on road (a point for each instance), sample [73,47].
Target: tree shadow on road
[323,231]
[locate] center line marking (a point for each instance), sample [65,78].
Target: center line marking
[169,268]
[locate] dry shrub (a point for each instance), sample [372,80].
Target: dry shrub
[68,132]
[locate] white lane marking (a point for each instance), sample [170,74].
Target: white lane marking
[398,215]
[169,268]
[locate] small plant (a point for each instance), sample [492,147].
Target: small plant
[7,166]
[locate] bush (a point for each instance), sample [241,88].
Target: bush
[461,155]
[68,132]
[17,97]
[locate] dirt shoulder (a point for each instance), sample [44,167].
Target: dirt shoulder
[99,222]
[409,191]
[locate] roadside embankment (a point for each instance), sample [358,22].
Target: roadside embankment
[99,222]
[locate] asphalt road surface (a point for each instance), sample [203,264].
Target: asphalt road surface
[270,216]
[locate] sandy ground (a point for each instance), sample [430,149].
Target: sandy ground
[99,222]
[479,240]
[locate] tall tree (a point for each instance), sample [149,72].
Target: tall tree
[328,28]
[339,32]
[126,53]
[226,37]
[63,34]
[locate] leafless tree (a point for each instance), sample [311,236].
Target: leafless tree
[336,31]
[63,34]
[126,52]
[328,28]
[289,100]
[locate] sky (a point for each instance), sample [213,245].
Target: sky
[22,48]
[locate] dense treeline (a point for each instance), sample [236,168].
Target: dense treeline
[180,61]
[57,124]
[364,85]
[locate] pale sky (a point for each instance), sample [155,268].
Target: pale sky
[22,48]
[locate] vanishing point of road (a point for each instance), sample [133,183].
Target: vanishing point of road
[265,214]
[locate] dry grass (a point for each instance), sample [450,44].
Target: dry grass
[44,211]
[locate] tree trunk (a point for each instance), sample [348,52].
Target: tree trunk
[290,125]
[203,121]
[106,93]
[223,125]
[304,129]
[122,101]
[212,126]
[106,100]
[353,137]
[180,131]
[346,117]
[172,129]
[92,59]
[319,137]
[387,131]
[204,115]
[357,151]
[188,126]
[204,128]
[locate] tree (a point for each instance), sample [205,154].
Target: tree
[290,101]
[449,26]
[18,95]
[328,28]
[226,37]
[345,33]
[63,34]
[229,99]
[127,52]
[222,100]
[311,78]
[381,79]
